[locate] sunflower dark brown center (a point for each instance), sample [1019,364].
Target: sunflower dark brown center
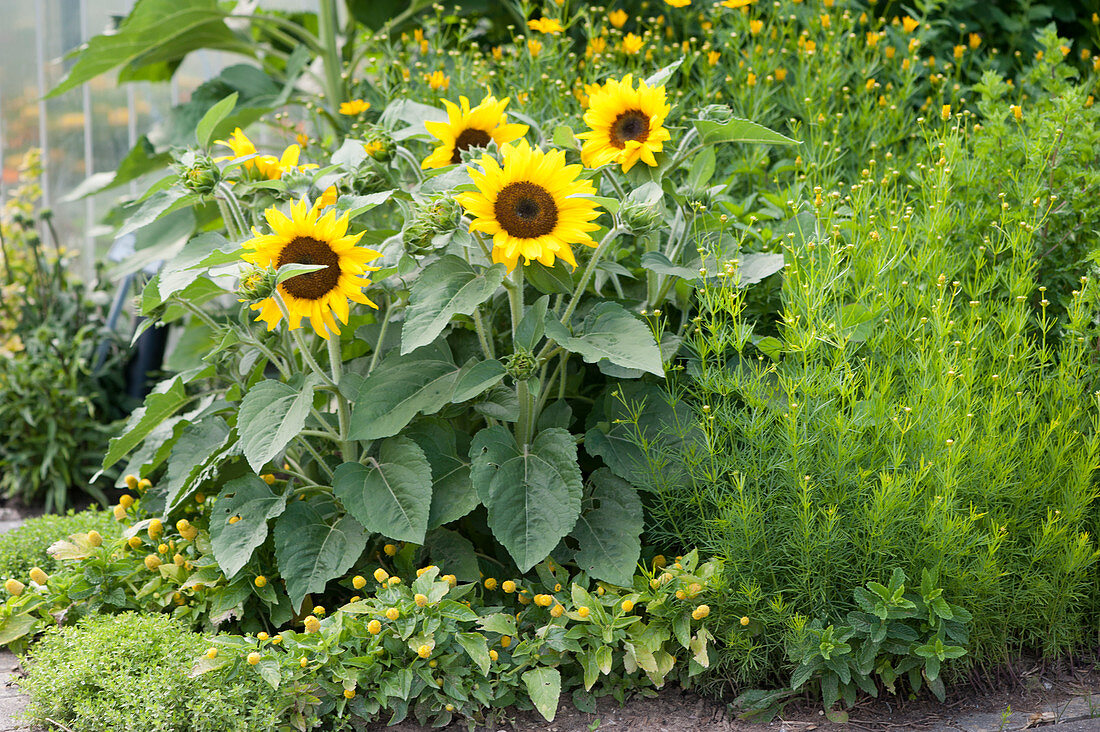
[632,124]
[311,285]
[526,210]
[469,138]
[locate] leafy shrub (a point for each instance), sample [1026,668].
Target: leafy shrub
[131,672]
[25,547]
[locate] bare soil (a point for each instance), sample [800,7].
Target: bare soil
[1023,697]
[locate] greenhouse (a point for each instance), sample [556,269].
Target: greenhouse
[666,364]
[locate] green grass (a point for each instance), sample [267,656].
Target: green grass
[25,547]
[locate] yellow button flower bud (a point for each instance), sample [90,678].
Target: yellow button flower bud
[268,478]
[358,582]
[145,484]
[659,561]
[394,581]
[523,598]
[421,600]
[700,612]
[450,579]
[349,693]
[120,512]
[132,482]
[152,561]
[260,581]
[509,586]
[211,653]
[505,641]
[424,651]
[381,575]
[179,560]
[234,519]
[37,575]
[134,542]
[277,639]
[95,538]
[745,620]
[312,624]
[557,611]
[319,611]
[390,550]
[253,658]
[14,587]
[627,605]
[583,612]
[393,613]
[303,661]
[490,584]
[156,528]
[126,501]
[494,655]
[162,548]
[262,636]
[374,627]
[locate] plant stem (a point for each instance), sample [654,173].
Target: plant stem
[589,270]
[343,413]
[381,337]
[515,298]
[330,56]
[483,339]
[303,347]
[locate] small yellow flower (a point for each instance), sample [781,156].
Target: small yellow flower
[145,484]
[958,51]
[268,477]
[390,550]
[583,611]
[380,575]
[618,18]
[735,4]
[355,598]
[95,538]
[14,587]
[120,512]
[234,519]
[318,611]
[745,620]
[508,586]
[632,44]
[700,612]
[545,25]
[39,577]
[424,651]
[945,112]
[450,579]
[1017,112]
[873,38]
[534,47]
[490,584]
[211,653]
[358,582]
[438,80]
[750,80]
[627,605]
[349,693]
[678,3]
[393,613]
[354,107]
[505,641]
[712,58]
[312,624]
[253,658]
[420,600]
[394,581]
[974,40]
[493,655]
[755,26]
[162,548]
[374,627]
[909,24]
[126,501]
[277,639]
[262,636]
[595,46]
[303,661]
[134,542]
[260,581]
[557,611]
[780,74]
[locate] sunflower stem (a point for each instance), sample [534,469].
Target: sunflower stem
[239,227]
[525,425]
[515,298]
[412,161]
[299,341]
[343,413]
[589,270]
[377,351]
[483,339]
[326,29]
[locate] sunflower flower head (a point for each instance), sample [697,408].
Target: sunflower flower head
[532,206]
[466,128]
[626,124]
[308,237]
[274,168]
[241,147]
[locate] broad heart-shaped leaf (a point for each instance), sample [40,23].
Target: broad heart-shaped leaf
[611,332]
[185,267]
[447,287]
[198,446]
[739,130]
[250,499]
[391,496]
[271,415]
[608,535]
[532,493]
[164,401]
[155,31]
[544,688]
[666,426]
[477,378]
[311,550]
[401,387]
[453,494]
[659,263]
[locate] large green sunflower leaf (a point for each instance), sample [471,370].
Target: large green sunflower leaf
[250,499]
[446,288]
[390,496]
[453,494]
[271,415]
[194,458]
[608,534]
[401,387]
[739,130]
[611,332]
[533,492]
[161,404]
[310,550]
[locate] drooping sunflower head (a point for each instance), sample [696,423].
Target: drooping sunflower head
[625,124]
[307,237]
[466,128]
[534,206]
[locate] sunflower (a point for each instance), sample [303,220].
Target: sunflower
[533,206]
[466,128]
[241,146]
[307,237]
[625,124]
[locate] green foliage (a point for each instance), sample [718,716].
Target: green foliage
[894,635]
[25,547]
[130,672]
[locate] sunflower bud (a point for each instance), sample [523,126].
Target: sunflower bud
[521,365]
[378,144]
[639,217]
[256,284]
[716,113]
[367,180]
[199,173]
[430,223]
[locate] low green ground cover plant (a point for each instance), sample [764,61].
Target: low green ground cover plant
[26,547]
[130,672]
